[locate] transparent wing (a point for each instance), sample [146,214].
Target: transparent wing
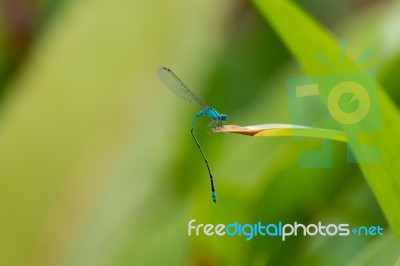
[178,87]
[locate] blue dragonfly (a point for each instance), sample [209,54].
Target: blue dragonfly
[178,87]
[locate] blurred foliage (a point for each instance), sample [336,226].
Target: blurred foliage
[383,176]
[21,24]
[97,165]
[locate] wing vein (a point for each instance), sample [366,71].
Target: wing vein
[176,85]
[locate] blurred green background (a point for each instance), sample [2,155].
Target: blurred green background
[97,165]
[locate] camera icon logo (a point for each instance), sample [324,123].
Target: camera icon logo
[345,101]
[359,93]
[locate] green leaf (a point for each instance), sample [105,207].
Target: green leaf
[283,130]
[306,38]
[381,251]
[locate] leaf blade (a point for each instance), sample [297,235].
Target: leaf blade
[305,41]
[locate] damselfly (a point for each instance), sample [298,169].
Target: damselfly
[178,87]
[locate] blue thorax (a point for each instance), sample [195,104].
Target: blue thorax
[213,114]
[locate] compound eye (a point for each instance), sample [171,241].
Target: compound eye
[224,117]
